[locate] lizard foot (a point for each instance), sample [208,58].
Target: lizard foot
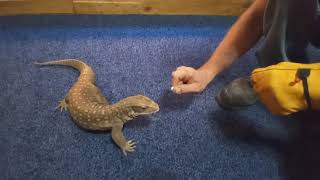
[62,105]
[128,147]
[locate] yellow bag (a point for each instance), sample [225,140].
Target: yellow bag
[288,87]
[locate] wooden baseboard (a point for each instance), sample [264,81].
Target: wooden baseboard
[154,7]
[17,7]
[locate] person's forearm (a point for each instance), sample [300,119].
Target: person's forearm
[241,37]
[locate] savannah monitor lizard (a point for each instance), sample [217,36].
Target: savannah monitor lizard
[90,109]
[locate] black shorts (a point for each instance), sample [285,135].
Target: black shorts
[289,26]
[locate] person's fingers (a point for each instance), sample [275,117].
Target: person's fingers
[187,88]
[182,74]
[182,67]
[175,81]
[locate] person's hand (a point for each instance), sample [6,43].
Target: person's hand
[188,80]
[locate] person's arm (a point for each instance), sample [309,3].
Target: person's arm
[242,36]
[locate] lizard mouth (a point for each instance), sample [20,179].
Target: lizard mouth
[148,113]
[153,111]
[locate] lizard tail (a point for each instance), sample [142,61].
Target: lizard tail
[77,64]
[86,73]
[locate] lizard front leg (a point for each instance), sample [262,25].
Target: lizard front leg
[120,140]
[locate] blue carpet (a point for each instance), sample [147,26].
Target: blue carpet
[190,138]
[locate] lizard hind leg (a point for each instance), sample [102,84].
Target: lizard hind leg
[63,106]
[98,95]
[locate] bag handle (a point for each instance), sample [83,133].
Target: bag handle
[303,74]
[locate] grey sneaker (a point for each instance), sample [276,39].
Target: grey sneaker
[237,95]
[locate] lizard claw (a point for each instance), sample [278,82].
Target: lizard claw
[129,147]
[62,105]
[124,152]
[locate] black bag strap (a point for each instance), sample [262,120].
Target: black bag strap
[303,74]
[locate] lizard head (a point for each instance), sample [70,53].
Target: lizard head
[141,105]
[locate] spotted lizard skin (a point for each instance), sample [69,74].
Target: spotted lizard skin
[90,109]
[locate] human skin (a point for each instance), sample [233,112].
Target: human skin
[241,37]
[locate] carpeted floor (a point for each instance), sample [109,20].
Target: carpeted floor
[190,138]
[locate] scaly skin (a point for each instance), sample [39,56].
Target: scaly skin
[90,110]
